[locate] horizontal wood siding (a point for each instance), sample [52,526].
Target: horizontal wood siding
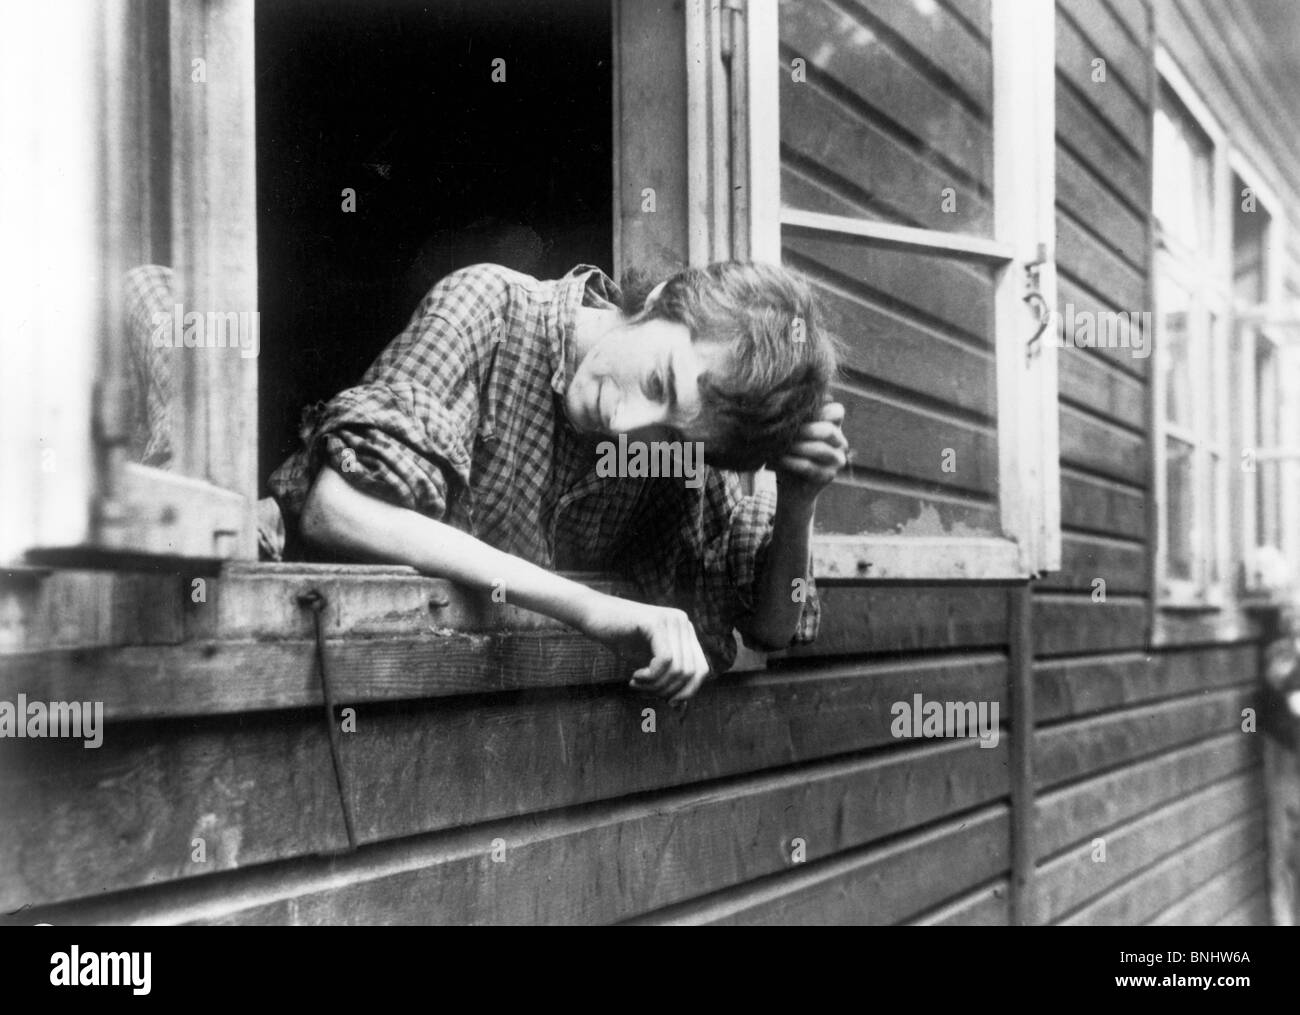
[1148,792]
[501,771]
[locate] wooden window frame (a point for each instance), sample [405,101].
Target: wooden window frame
[112,512]
[1210,286]
[1267,322]
[1024,61]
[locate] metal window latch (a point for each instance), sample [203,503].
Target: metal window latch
[1034,297]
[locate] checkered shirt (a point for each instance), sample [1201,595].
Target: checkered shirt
[461,418]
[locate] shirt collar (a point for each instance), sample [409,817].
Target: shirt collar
[584,285]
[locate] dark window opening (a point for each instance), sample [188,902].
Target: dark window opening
[396,100]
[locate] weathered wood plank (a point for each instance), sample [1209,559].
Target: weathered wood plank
[866,619]
[1178,630]
[861,504]
[260,786]
[1138,899]
[890,436]
[1123,566]
[1254,912]
[1109,37]
[938,290]
[1081,810]
[864,65]
[226,677]
[1076,749]
[1077,687]
[64,609]
[878,172]
[1205,906]
[1085,198]
[1135,15]
[262,602]
[977,13]
[1197,39]
[1128,352]
[1081,255]
[984,907]
[889,348]
[1075,877]
[594,865]
[807,188]
[872,886]
[1087,135]
[1091,504]
[1088,442]
[1112,98]
[1090,381]
[944,42]
[1066,624]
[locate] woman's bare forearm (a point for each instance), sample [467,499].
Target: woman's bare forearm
[779,602]
[344,520]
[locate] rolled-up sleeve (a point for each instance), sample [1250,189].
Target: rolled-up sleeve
[394,442]
[404,435]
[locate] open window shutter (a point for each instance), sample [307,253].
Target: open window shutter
[903,160]
[173,198]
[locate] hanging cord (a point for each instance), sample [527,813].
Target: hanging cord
[316,602]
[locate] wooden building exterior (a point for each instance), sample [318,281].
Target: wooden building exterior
[1017,525]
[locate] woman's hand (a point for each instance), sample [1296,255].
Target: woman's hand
[816,456]
[677,665]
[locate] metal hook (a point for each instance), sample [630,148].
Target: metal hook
[1044,314]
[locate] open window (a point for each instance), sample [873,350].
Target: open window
[1268,371]
[399,142]
[901,156]
[1193,305]
[390,144]
[137,405]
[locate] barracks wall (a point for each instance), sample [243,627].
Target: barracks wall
[499,770]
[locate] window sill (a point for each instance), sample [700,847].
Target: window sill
[1176,626]
[155,645]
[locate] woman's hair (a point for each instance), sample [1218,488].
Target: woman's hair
[780,362]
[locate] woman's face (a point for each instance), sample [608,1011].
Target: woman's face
[642,380]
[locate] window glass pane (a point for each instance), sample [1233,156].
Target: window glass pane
[1174,336]
[1180,510]
[139,307]
[1216,362]
[1184,173]
[886,112]
[1267,435]
[919,382]
[1250,227]
[1266,393]
[1212,519]
[1268,506]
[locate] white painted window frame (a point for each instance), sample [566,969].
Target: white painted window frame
[1210,285]
[1024,130]
[97,509]
[1266,322]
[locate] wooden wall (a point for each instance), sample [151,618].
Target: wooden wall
[1137,748]
[481,729]
[501,772]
